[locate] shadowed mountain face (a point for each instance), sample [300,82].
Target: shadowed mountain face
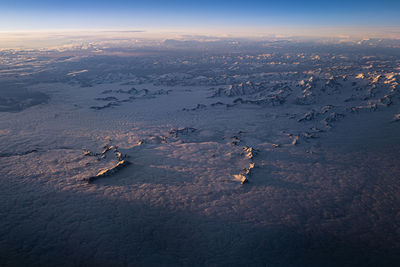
[206,154]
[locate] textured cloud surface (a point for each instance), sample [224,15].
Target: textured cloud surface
[245,153]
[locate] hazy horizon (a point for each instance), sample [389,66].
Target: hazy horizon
[253,18]
[61,38]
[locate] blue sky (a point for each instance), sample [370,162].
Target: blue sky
[131,14]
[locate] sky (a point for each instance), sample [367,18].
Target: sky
[206,15]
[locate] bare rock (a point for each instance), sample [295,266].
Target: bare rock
[182,131]
[107,172]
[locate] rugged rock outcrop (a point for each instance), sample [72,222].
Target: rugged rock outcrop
[249,152]
[183,131]
[121,161]
[332,117]
[107,172]
[199,106]
[109,105]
